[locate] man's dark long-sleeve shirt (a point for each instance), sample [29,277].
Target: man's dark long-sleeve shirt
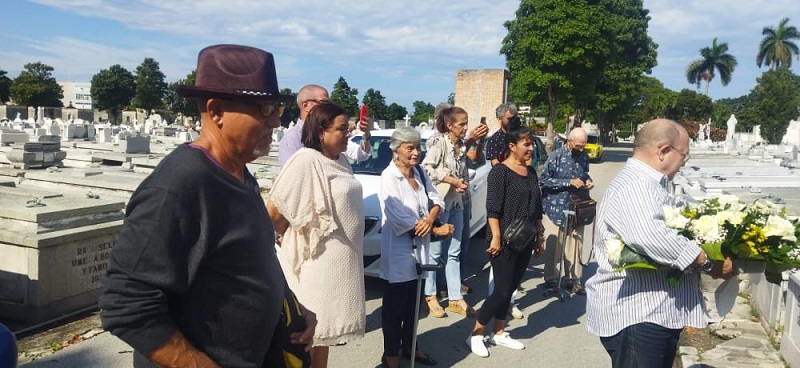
[196,255]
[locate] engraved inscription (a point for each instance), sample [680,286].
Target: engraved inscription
[91,262]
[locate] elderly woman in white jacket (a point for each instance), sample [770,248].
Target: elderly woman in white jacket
[405,194]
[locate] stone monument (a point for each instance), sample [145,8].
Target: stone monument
[53,251]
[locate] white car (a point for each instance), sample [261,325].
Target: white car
[369,174]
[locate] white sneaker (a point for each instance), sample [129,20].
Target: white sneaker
[477,346]
[504,339]
[515,312]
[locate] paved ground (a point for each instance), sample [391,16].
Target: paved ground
[554,332]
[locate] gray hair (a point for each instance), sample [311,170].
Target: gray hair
[502,109]
[404,135]
[309,92]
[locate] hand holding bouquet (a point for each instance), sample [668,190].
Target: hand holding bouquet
[726,226]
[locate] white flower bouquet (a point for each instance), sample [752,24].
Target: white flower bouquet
[725,226]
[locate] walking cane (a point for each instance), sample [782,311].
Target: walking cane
[562,248]
[420,269]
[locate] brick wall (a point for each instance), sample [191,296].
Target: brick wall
[479,92]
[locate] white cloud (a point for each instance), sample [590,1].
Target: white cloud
[388,43]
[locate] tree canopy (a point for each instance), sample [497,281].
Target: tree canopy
[178,104]
[290,111]
[776,48]
[345,97]
[5,87]
[776,99]
[591,52]
[377,104]
[150,86]
[35,86]
[112,90]
[395,112]
[714,58]
[423,111]
[693,106]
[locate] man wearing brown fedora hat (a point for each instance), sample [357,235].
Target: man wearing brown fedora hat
[193,279]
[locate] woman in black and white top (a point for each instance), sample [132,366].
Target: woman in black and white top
[514,193]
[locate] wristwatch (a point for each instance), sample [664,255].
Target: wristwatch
[708,265]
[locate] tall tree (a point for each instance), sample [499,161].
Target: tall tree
[35,86]
[553,49]
[345,97]
[112,90]
[396,112]
[376,103]
[776,47]
[290,110]
[692,106]
[715,58]
[653,100]
[5,87]
[150,86]
[177,104]
[630,54]
[423,111]
[777,99]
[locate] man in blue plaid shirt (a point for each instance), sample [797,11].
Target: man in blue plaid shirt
[566,169]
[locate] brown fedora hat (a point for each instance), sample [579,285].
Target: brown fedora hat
[234,71]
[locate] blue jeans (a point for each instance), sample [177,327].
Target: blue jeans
[451,249]
[465,238]
[642,345]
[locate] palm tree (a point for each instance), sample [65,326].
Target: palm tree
[714,58]
[777,48]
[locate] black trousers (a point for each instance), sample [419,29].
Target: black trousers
[397,316]
[508,268]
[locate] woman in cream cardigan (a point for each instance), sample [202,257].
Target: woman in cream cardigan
[317,207]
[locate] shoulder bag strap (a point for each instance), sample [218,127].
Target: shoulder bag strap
[424,184]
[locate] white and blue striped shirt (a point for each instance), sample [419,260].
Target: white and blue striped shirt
[632,210]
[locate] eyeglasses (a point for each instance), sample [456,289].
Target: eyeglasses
[268,108]
[684,156]
[317,100]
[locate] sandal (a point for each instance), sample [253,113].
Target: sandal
[455,307]
[421,358]
[434,308]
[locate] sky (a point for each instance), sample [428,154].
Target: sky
[409,50]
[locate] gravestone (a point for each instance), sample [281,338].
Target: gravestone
[53,251]
[36,154]
[11,136]
[103,134]
[135,144]
[792,135]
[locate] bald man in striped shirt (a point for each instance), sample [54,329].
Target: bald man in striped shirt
[636,314]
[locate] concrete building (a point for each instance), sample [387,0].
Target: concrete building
[479,92]
[79,94]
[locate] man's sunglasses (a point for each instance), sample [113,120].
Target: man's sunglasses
[268,108]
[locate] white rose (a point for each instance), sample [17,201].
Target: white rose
[731,202]
[613,247]
[706,229]
[733,217]
[778,226]
[674,219]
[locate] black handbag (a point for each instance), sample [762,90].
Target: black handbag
[436,222]
[519,233]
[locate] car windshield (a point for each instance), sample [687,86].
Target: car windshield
[381,156]
[593,139]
